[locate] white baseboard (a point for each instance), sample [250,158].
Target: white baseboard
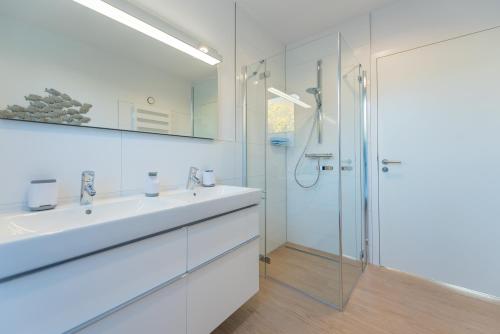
[461,290]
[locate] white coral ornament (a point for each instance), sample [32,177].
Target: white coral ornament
[56,107]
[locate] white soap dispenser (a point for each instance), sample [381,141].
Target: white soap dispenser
[208,178]
[152,188]
[42,195]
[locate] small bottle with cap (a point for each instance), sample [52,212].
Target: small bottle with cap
[152,188]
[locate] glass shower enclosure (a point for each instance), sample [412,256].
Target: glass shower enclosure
[305,147]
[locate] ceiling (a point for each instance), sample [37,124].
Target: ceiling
[293,20]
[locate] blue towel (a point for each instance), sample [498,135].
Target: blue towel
[279,141]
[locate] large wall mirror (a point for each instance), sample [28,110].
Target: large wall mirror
[107,65]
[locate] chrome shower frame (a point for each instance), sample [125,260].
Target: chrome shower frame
[319,103]
[243,82]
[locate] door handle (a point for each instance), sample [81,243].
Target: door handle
[389,162]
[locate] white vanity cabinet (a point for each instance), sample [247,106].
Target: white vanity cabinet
[187,280]
[163,311]
[213,238]
[216,290]
[221,255]
[60,298]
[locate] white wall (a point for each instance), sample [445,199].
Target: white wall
[120,159]
[205,108]
[412,23]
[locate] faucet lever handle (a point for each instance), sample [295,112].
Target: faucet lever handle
[193,177]
[88,175]
[90,189]
[194,173]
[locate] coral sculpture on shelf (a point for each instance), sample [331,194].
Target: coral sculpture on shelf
[56,107]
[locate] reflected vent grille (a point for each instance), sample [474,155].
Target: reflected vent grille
[152,121]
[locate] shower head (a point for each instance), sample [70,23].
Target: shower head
[312,90]
[254,73]
[317,95]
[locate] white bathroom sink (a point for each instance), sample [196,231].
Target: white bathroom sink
[30,241]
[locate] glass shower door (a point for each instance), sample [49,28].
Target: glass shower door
[304,150]
[303,248]
[255,134]
[351,117]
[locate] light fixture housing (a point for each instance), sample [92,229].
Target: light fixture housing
[132,22]
[288,97]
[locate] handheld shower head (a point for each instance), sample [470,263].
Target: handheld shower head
[317,95]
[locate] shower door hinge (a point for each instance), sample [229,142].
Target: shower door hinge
[265,259]
[265,75]
[363,251]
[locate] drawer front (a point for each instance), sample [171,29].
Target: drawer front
[218,289]
[163,311]
[60,298]
[210,239]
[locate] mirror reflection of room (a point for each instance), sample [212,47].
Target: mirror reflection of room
[73,65]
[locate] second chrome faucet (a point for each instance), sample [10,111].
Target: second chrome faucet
[193,178]
[87,191]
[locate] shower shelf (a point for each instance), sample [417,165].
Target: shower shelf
[319,155]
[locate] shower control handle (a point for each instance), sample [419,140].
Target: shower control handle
[389,162]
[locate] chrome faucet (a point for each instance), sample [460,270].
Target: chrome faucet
[193,178]
[87,191]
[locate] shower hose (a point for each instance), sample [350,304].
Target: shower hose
[302,155]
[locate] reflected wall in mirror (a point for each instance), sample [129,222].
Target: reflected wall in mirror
[106,65]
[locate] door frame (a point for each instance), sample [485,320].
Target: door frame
[374,231]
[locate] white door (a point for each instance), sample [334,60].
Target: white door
[439,114]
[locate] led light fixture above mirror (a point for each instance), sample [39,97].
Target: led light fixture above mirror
[147,29]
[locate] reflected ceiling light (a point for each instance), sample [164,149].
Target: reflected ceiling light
[136,24]
[290,98]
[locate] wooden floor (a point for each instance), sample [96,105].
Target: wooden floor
[384,301]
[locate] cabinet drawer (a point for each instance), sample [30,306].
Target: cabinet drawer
[209,239]
[163,311]
[218,289]
[60,298]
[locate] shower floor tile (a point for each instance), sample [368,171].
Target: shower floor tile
[313,272]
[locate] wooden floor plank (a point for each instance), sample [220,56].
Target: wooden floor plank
[384,302]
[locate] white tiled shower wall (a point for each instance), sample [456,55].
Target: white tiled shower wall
[121,159]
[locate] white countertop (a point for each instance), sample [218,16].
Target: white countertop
[30,240]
